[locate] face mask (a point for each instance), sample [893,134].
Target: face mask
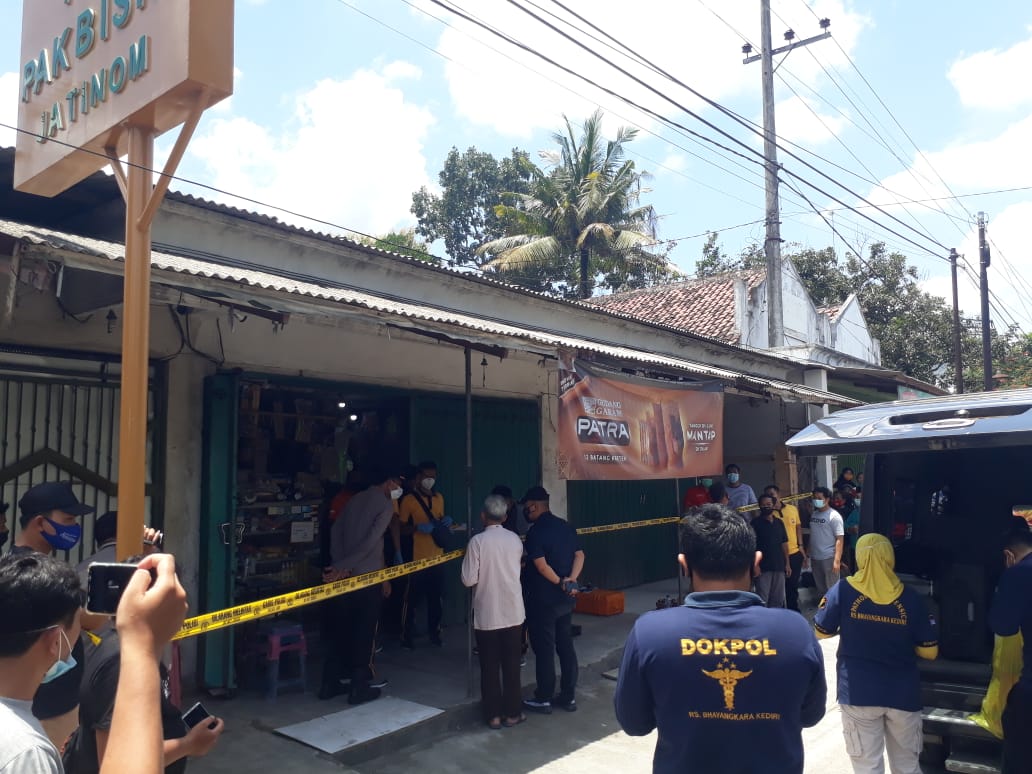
[818,504]
[428,483]
[766,511]
[66,538]
[707,482]
[856,502]
[732,478]
[61,667]
[396,493]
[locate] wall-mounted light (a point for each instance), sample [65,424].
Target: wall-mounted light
[343,404]
[353,417]
[111,318]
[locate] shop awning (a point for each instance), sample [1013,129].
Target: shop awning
[262,289]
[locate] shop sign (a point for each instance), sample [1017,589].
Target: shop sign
[617,427]
[88,67]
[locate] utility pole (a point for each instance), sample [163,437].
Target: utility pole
[987,348]
[772,242]
[958,358]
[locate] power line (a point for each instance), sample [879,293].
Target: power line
[464,15]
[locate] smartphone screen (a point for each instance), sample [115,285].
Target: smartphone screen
[195,715]
[105,583]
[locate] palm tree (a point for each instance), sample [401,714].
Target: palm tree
[585,207]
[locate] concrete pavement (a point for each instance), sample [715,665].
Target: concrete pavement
[457,741]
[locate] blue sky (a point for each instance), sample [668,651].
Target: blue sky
[340,117]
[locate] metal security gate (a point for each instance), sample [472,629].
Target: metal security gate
[59,422]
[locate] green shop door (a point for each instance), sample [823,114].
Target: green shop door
[218,507]
[506,450]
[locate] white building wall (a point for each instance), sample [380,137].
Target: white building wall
[851,335]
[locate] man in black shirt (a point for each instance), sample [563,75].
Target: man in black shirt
[554,562]
[85,750]
[772,541]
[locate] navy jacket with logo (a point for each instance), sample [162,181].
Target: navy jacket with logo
[729,683]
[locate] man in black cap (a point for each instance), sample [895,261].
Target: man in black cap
[49,522]
[49,519]
[554,562]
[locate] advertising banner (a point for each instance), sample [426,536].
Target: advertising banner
[622,428]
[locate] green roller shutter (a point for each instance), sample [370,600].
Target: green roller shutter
[615,560]
[506,450]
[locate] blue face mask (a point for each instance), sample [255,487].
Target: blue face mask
[707,482]
[65,537]
[732,478]
[818,504]
[856,502]
[61,667]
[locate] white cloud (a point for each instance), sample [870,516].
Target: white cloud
[8,108]
[351,153]
[994,79]
[490,86]
[800,121]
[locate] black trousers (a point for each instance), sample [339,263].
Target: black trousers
[500,671]
[426,586]
[795,561]
[351,628]
[550,633]
[1017,720]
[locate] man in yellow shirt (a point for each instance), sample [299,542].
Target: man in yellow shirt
[789,516]
[415,512]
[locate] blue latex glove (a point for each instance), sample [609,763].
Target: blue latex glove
[398,558]
[426,528]
[447,521]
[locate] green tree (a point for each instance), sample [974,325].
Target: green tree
[404,242]
[463,214]
[583,215]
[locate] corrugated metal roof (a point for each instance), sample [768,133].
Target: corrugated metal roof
[406,309]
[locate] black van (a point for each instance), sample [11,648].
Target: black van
[943,478]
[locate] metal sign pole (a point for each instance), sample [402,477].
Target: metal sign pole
[677,545]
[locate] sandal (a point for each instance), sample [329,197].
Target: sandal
[510,722]
[494,724]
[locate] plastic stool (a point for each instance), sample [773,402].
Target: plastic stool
[280,639]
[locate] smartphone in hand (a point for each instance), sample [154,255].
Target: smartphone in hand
[105,584]
[196,715]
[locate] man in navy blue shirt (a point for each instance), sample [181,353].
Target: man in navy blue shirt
[883,628]
[729,684]
[554,562]
[1012,613]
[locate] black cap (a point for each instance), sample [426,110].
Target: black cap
[105,528]
[52,496]
[502,490]
[536,494]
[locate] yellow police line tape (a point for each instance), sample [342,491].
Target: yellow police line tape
[250,611]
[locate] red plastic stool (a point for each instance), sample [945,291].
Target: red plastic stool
[281,638]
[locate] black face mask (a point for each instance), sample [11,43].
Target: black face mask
[766,511]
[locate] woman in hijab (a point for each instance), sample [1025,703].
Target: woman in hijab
[847,477]
[883,628]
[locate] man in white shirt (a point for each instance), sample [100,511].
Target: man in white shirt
[40,597]
[492,567]
[827,532]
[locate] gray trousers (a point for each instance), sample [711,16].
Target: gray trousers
[871,732]
[770,585]
[824,576]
